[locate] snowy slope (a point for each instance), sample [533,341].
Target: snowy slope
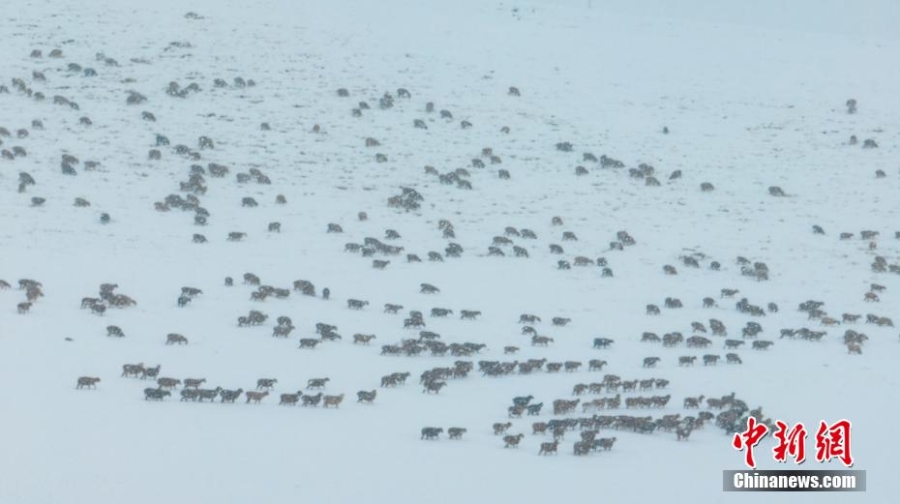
[753,97]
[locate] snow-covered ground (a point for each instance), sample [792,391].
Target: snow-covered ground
[752,95]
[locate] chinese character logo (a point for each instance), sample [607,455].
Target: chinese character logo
[748,439]
[833,441]
[790,442]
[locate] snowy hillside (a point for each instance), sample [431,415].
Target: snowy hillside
[583,104]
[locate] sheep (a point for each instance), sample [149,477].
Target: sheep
[309,343]
[168,383]
[651,361]
[132,370]
[500,428]
[334,400]
[596,365]
[312,400]
[366,396]
[314,383]
[428,289]
[87,382]
[602,342]
[512,441]
[174,338]
[540,340]
[189,394]
[282,331]
[356,304]
[605,444]
[548,448]
[431,432]
[265,383]
[456,432]
[149,372]
[152,394]
[290,399]
[255,397]
[433,386]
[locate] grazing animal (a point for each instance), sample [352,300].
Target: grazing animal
[522,400]
[334,400]
[541,340]
[733,358]
[189,394]
[366,397]
[596,365]
[282,331]
[500,428]
[363,339]
[256,397]
[428,289]
[456,432]
[434,386]
[174,338]
[314,383]
[149,372]
[168,383]
[265,383]
[87,382]
[356,304]
[605,444]
[132,370]
[290,399]
[762,344]
[230,396]
[512,441]
[548,448]
[682,433]
[152,394]
[431,432]
[313,400]
[687,360]
[602,342]
[651,361]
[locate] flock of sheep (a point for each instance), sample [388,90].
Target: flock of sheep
[206,168]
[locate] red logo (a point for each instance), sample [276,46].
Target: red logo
[748,439]
[834,442]
[790,442]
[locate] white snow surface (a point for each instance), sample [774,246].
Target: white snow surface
[753,94]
